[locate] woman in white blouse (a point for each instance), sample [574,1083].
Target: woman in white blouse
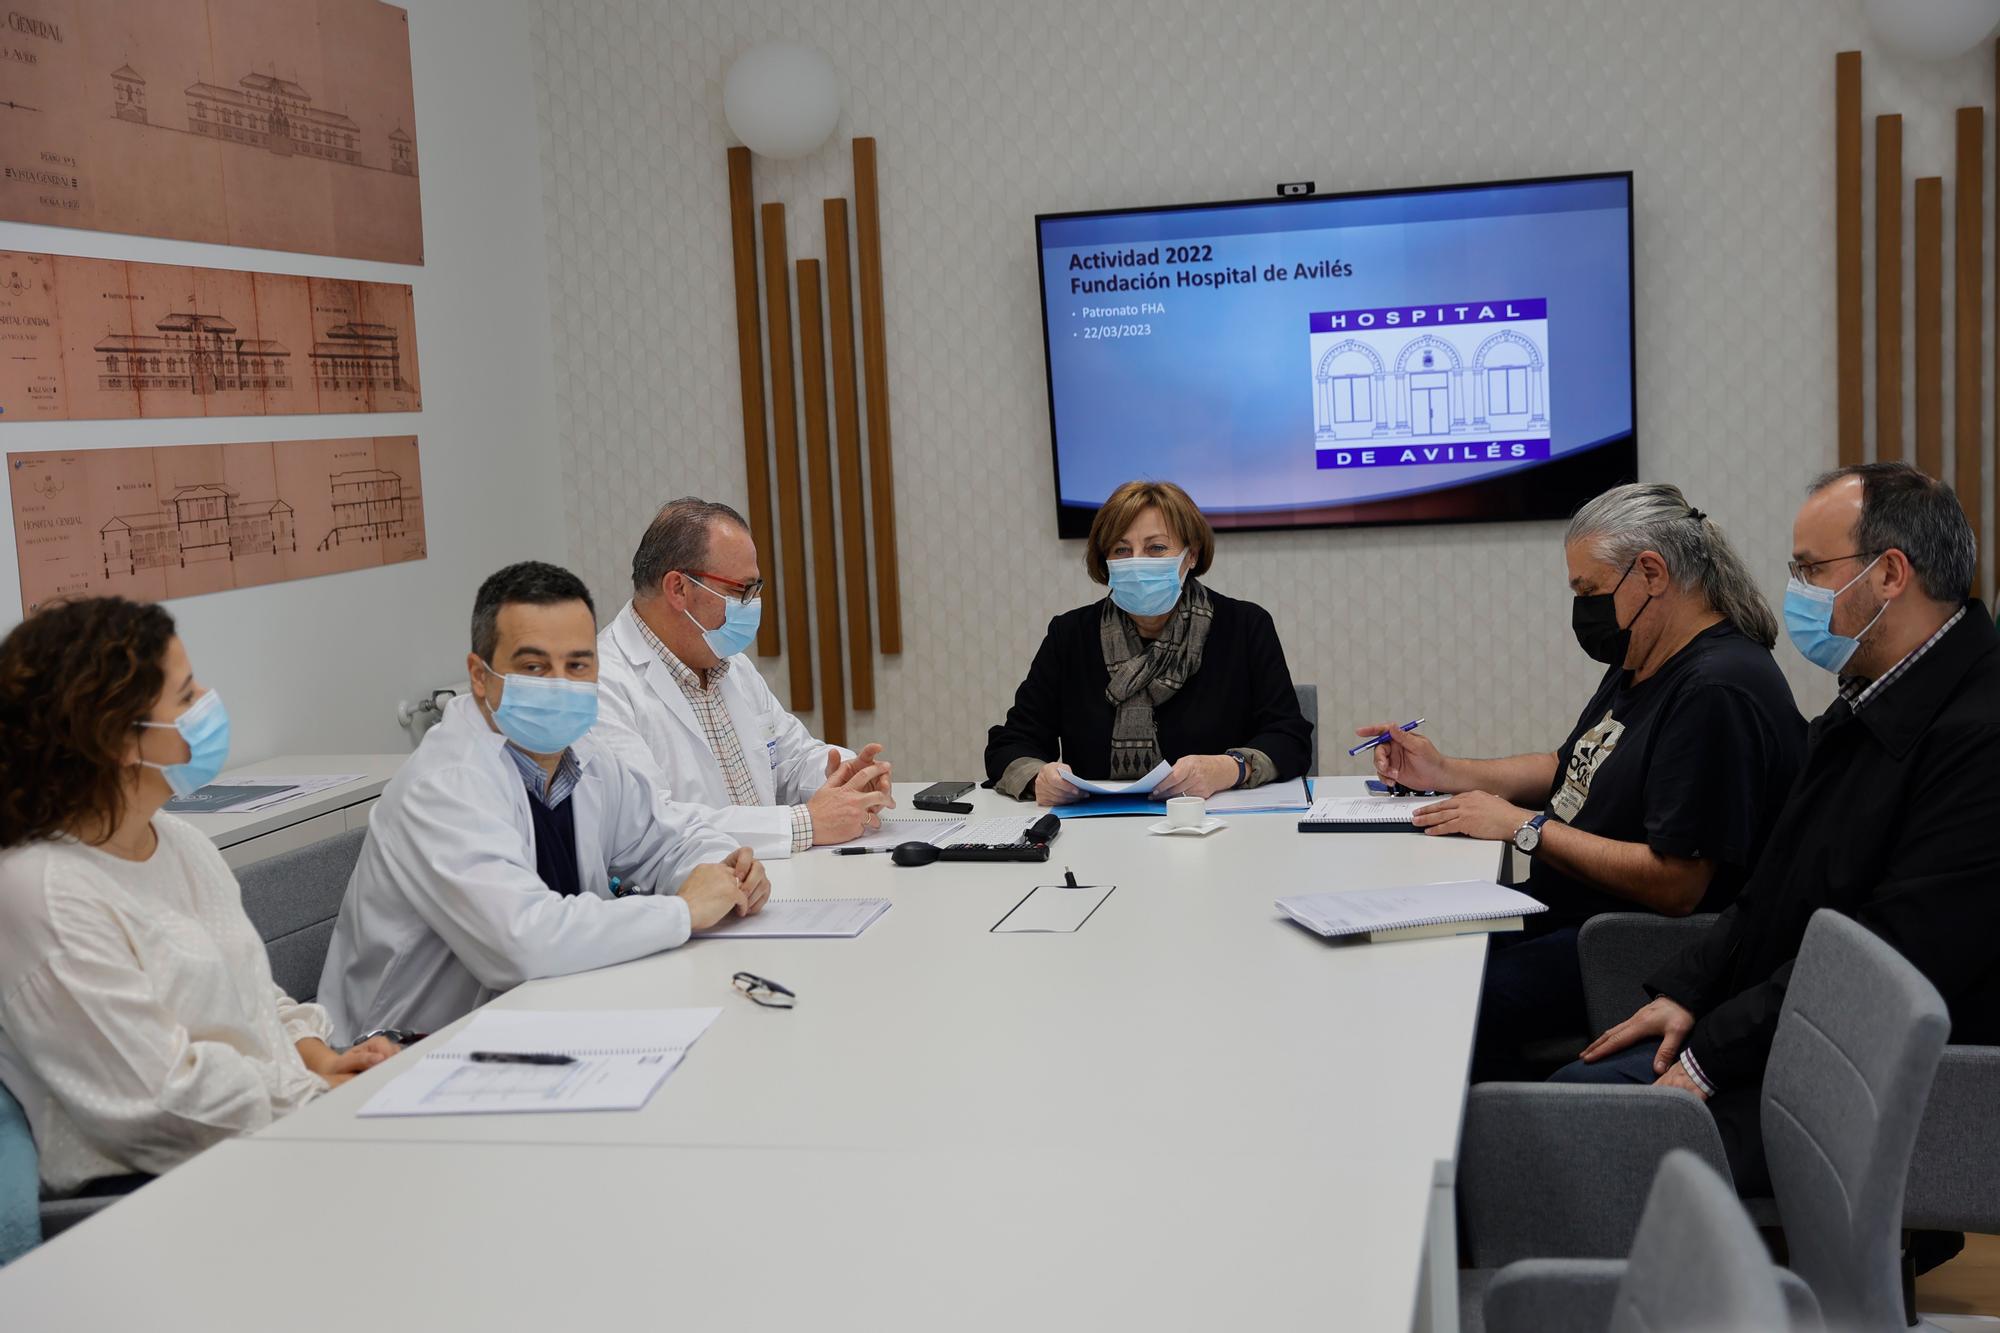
[138,1019]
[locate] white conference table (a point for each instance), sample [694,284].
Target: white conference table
[1189,1075]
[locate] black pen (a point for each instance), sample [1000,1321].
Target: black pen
[519,1058]
[859,851]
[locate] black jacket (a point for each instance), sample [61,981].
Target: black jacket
[1894,821]
[1241,697]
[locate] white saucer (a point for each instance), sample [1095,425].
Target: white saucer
[1201,830]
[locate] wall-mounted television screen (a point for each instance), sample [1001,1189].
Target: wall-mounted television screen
[1442,355]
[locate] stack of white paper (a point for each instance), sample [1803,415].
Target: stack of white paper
[1139,786]
[1464,907]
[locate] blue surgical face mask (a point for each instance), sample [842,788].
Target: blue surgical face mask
[1809,622]
[738,629]
[545,714]
[1145,585]
[205,728]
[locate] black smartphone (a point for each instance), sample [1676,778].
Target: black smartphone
[1396,789]
[943,791]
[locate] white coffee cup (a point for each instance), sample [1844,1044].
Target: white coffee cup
[1186,812]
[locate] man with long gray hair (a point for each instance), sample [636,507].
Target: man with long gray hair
[682,702]
[1660,798]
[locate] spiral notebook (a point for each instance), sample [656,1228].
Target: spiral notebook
[619,1059]
[802,919]
[1419,911]
[1363,814]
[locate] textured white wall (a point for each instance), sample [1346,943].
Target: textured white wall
[989,113]
[316,666]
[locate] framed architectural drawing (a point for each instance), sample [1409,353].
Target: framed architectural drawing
[154,523]
[283,124]
[85,339]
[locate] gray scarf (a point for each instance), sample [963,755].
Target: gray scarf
[1146,675]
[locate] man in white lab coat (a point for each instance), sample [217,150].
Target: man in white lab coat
[680,696]
[512,845]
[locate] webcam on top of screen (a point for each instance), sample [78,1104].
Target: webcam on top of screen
[1294,189]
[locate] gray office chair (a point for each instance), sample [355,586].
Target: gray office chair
[1851,1065]
[1619,950]
[293,899]
[1954,1180]
[1859,1034]
[1697,1266]
[20,1182]
[1309,705]
[1627,947]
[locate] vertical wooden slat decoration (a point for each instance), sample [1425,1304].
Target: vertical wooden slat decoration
[750,369]
[1847,250]
[1968,402]
[1889,288]
[847,438]
[875,370]
[819,488]
[1929,325]
[785,439]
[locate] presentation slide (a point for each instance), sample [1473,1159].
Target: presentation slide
[1441,355]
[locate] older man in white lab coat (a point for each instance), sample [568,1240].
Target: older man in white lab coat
[679,697]
[512,845]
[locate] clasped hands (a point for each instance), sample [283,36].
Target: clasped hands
[851,801]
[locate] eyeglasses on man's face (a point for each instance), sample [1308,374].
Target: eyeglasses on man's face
[1803,570]
[728,589]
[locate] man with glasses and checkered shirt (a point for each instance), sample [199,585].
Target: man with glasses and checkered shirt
[681,701]
[1892,821]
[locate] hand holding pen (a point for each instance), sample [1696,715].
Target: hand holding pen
[1403,757]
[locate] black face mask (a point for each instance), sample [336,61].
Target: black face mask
[1595,619]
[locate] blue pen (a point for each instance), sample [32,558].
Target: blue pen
[614,886]
[1375,741]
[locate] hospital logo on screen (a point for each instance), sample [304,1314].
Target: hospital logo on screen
[1409,386]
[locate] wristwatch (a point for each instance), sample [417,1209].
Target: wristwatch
[1242,766]
[401,1036]
[1529,835]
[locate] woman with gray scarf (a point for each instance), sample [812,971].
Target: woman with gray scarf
[1164,669]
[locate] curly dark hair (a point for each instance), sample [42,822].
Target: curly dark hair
[75,678]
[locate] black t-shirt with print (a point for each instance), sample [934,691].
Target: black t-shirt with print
[1695,761]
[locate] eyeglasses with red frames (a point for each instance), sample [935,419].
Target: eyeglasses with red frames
[741,593]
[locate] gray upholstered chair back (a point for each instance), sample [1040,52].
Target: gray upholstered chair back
[1696,1265]
[293,898]
[1619,950]
[1693,1224]
[1309,705]
[1851,1064]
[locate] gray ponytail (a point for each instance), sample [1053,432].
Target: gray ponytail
[1653,516]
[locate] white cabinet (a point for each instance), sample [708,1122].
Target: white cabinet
[247,839]
[287,839]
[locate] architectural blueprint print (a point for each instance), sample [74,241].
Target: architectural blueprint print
[180,520]
[284,124]
[88,339]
